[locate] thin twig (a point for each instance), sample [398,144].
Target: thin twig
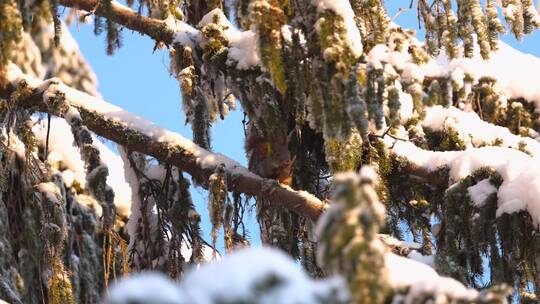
[46,154]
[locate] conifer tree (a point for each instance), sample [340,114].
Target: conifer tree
[370,154]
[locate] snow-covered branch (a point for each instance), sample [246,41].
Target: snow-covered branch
[280,280]
[521,183]
[475,132]
[156,29]
[138,134]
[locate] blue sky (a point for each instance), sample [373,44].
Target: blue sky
[137,79]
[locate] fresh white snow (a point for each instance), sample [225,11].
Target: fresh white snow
[63,150]
[473,130]
[481,191]
[236,275]
[343,9]
[233,279]
[243,46]
[422,279]
[145,287]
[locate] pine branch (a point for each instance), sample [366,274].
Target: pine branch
[155,29]
[140,135]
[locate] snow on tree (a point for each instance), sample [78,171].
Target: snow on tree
[391,170]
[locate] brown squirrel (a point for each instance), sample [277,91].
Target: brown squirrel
[269,156]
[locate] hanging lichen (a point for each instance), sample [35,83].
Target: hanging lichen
[53,235]
[268,18]
[372,20]
[11,28]
[217,200]
[343,156]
